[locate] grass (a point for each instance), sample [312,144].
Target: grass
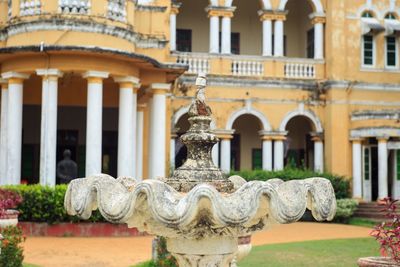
[341,252]
[362,222]
[29,265]
[325,253]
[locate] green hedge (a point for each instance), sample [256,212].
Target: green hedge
[345,210]
[46,204]
[340,184]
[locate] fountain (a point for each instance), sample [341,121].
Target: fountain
[199,211]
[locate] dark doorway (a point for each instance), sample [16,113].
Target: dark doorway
[374,172]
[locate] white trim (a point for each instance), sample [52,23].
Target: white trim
[375,132]
[363,66]
[306,113]
[251,111]
[372,8]
[396,56]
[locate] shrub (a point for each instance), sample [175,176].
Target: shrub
[387,233]
[340,184]
[46,204]
[345,210]
[8,200]
[11,250]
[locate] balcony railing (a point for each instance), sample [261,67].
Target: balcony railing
[197,62]
[117,10]
[29,7]
[247,67]
[74,6]
[252,66]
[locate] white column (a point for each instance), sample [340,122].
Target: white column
[3,132]
[172,151]
[318,154]
[279,39]
[127,126]
[226,154]
[319,40]
[357,169]
[157,150]
[278,155]
[226,35]
[94,117]
[215,154]
[214,34]
[267,37]
[139,141]
[172,27]
[267,154]
[382,168]
[14,125]
[48,129]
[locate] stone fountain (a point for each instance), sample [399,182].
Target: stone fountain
[199,211]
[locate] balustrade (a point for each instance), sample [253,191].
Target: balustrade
[29,7]
[197,63]
[247,68]
[299,70]
[74,6]
[117,10]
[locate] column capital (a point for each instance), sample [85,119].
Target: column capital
[317,18]
[214,11]
[128,81]
[95,76]
[266,14]
[14,77]
[273,135]
[224,134]
[383,139]
[317,136]
[160,88]
[54,73]
[356,139]
[3,83]
[175,7]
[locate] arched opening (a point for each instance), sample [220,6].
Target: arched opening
[246,36]
[299,148]
[246,146]
[299,32]
[192,27]
[181,127]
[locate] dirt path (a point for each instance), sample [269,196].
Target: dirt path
[123,252]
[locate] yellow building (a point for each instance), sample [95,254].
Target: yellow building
[312,83]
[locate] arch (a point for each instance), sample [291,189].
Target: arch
[265,4]
[182,111]
[316,5]
[371,8]
[305,113]
[251,111]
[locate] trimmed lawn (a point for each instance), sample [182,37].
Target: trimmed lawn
[341,252]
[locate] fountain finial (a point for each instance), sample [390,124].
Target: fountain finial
[199,167]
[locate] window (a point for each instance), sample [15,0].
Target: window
[367,169]
[390,16]
[235,43]
[184,40]
[367,14]
[391,51]
[256,159]
[310,43]
[368,50]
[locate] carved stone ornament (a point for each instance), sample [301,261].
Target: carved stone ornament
[199,211]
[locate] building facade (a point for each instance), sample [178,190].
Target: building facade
[305,83]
